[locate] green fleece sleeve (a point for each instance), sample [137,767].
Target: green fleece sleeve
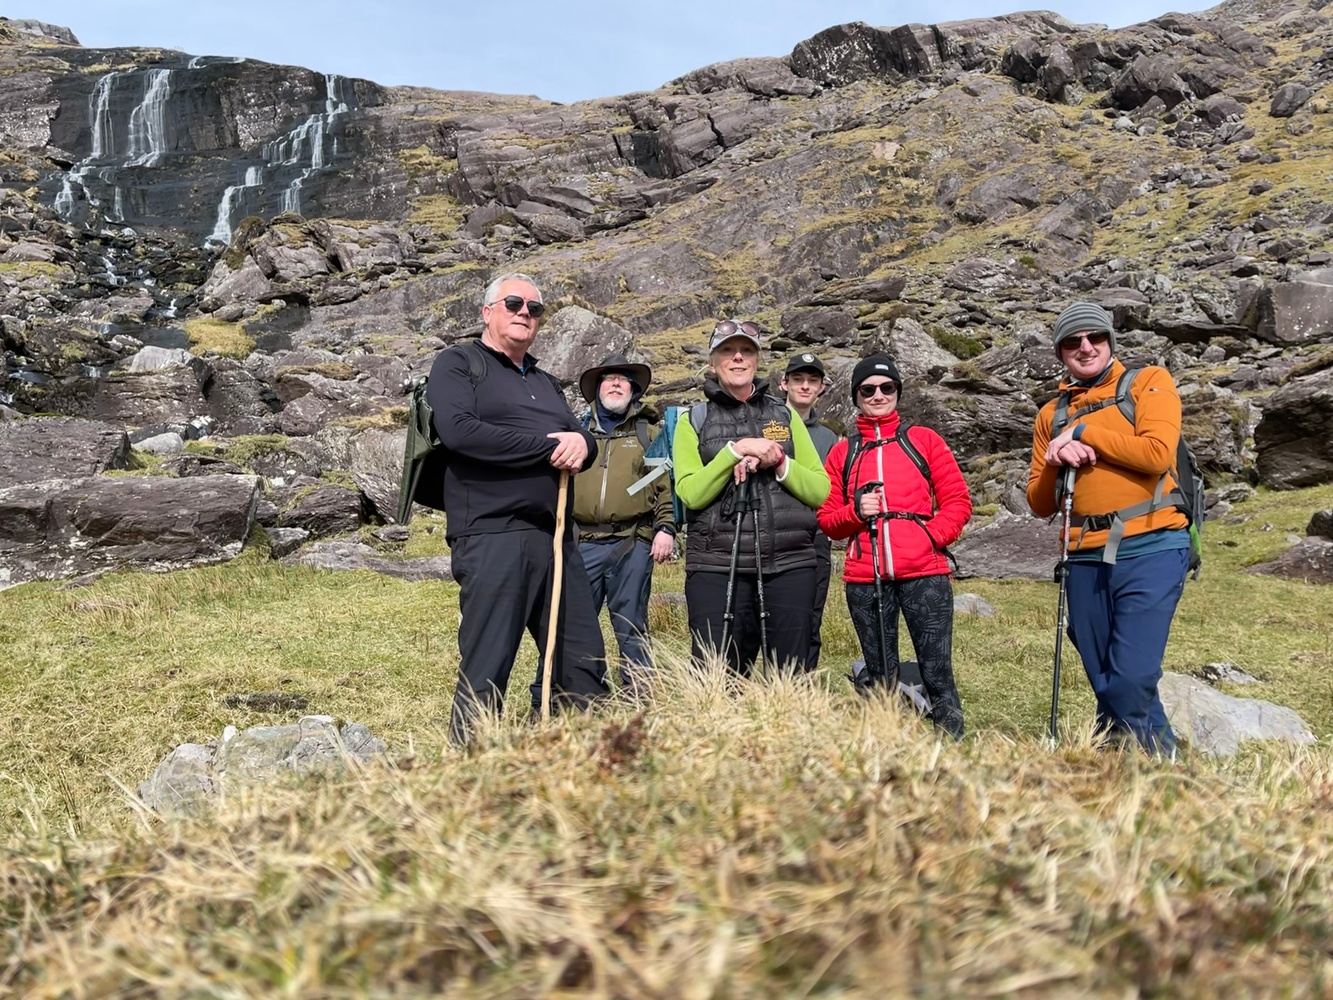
[804,476]
[697,484]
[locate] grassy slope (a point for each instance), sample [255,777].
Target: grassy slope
[788,839]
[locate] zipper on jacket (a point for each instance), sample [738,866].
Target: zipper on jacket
[884,522]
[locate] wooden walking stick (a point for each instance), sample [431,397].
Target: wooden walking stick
[557,581]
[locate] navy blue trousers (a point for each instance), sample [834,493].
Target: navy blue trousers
[1119,618]
[621,574]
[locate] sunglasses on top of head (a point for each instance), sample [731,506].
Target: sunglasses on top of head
[516,302]
[885,389]
[729,328]
[1096,339]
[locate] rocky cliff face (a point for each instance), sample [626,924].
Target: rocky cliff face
[222,248]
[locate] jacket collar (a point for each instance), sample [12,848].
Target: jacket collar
[1075,386]
[714,392]
[887,425]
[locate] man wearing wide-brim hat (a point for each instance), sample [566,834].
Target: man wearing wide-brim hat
[621,535]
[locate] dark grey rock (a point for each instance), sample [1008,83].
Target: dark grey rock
[1321,524]
[321,510]
[63,528]
[1309,561]
[41,448]
[1009,547]
[1289,98]
[1294,438]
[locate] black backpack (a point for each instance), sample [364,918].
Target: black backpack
[423,455]
[855,447]
[1187,497]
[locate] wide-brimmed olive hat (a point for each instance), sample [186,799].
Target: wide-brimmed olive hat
[639,374]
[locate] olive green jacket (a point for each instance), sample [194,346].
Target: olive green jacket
[602,507]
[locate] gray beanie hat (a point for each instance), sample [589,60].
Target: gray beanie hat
[1081,317]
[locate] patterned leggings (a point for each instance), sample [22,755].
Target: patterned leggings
[926,604]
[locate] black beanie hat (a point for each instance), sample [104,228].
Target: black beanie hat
[875,364]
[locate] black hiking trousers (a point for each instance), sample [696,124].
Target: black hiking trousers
[787,596]
[926,604]
[504,588]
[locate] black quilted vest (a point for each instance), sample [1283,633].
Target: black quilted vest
[786,526]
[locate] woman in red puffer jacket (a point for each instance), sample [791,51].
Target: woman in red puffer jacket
[916,518]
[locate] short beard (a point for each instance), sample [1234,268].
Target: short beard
[615,409]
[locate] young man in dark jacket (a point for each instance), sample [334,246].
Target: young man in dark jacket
[621,534]
[804,382]
[508,436]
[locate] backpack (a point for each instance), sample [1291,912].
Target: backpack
[423,456]
[1187,497]
[855,448]
[657,456]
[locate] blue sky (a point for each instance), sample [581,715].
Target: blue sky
[563,50]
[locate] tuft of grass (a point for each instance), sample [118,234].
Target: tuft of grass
[215,336]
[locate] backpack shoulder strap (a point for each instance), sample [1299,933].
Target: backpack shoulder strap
[1061,415]
[641,432]
[911,452]
[476,360]
[1123,400]
[853,449]
[698,414]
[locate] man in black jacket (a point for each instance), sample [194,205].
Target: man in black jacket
[508,435]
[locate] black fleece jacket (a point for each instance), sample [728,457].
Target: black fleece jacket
[498,476]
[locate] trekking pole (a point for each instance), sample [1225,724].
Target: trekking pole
[557,582]
[759,583]
[728,613]
[879,597]
[1062,608]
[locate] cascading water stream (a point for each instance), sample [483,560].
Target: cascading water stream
[309,148]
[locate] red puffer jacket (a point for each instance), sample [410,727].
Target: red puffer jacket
[908,548]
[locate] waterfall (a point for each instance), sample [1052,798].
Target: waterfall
[305,150]
[233,199]
[311,144]
[145,138]
[148,121]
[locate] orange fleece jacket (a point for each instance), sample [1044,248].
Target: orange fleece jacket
[1130,459]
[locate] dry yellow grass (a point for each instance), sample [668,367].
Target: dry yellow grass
[752,839]
[728,840]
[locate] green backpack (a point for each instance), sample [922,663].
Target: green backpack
[423,456]
[1187,497]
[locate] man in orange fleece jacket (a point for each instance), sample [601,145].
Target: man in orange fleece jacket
[1129,546]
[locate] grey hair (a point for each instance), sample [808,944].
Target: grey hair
[494,287]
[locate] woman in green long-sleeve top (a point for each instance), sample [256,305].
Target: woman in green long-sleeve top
[743,453]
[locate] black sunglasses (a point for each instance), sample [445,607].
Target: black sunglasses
[1095,339]
[515,302]
[886,389]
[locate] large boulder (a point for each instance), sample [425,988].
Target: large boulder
[1009,547]
[1218,723]
[68,527]
[576,339]
[193,775]
[1294,439]
[1298,311]
[42,448]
